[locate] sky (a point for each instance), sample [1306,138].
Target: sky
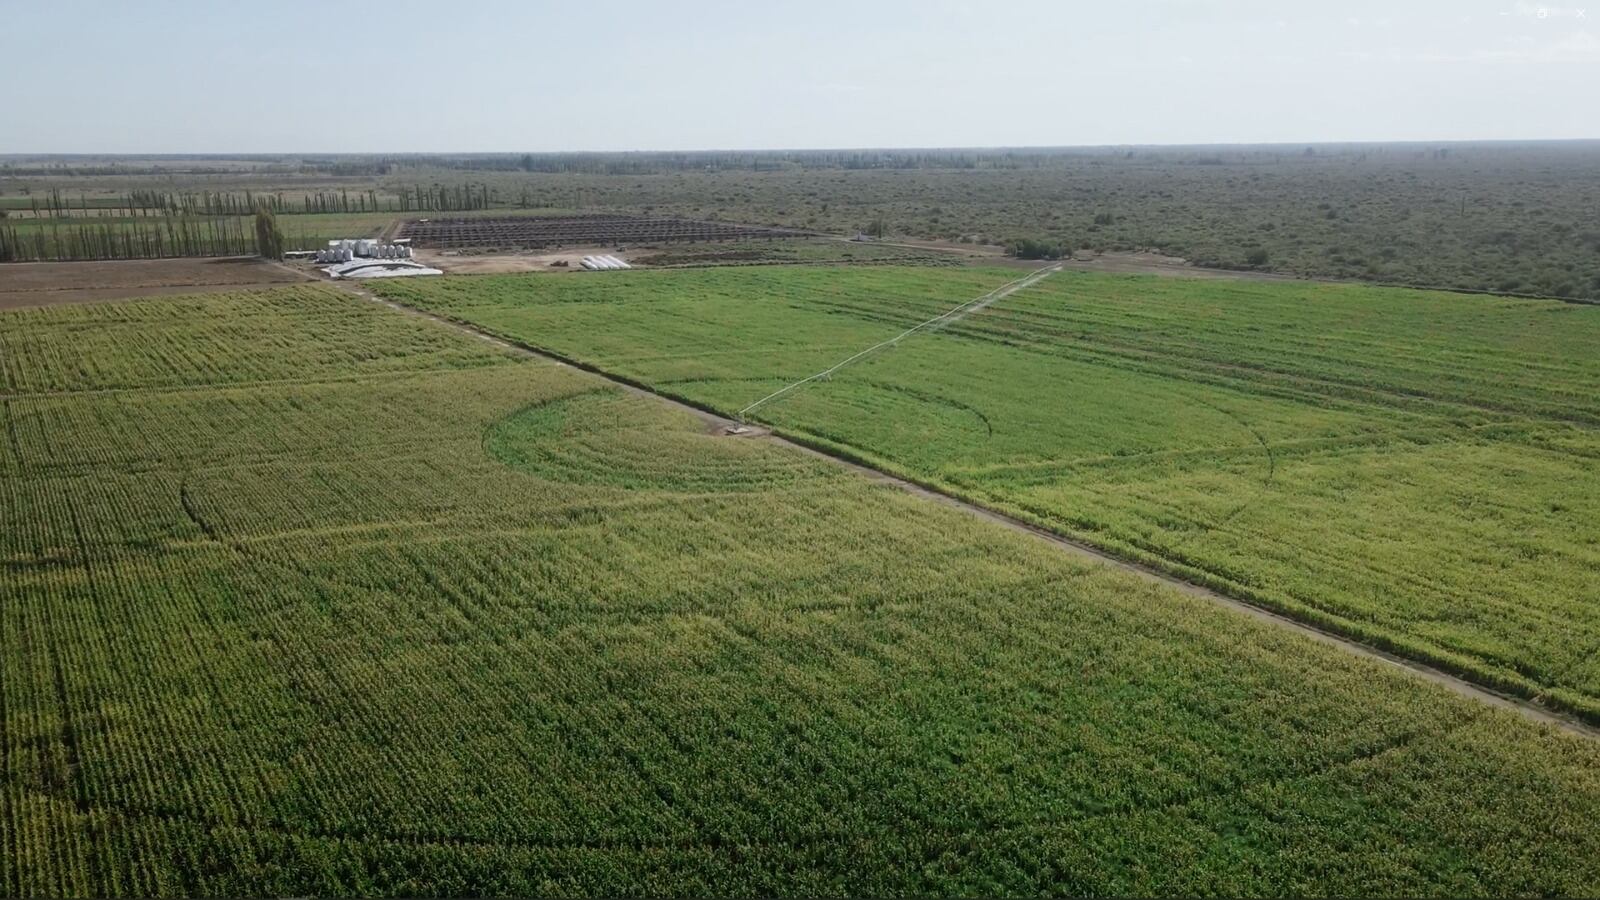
[218,76]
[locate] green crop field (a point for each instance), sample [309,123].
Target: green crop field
[301,595]
[1414,469]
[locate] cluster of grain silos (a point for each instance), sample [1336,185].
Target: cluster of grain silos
[602,263]
[335,255]
[345,250]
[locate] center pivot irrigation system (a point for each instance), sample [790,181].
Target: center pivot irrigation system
[939,321]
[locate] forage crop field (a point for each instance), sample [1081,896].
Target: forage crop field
[1416,469]
[301,595]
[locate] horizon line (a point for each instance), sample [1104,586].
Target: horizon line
[997,148]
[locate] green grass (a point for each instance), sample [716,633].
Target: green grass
[300,596]
[1415,469]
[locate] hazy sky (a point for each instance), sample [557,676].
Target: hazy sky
[217,76]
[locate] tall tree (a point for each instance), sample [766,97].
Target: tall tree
[269,239]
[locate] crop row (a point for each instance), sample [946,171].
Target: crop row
[1407,467]
[460,624]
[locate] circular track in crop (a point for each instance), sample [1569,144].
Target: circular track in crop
[620,440]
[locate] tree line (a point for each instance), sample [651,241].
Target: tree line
[446,198]
[172,236]
[138,204]
[145,204]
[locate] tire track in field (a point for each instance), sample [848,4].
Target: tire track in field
[706,838]
[73,781]
[7,410]
[889,387]
[1272,462]
[1461,686]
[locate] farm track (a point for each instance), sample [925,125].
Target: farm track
[718,423]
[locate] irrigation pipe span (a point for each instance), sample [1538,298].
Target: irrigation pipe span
[945,318]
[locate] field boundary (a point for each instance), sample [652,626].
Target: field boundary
[1569,722]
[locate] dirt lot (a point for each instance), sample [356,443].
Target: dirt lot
[1156,264]
[478,262]
[1120,262]
[984,252]
[454,263]
[46,283]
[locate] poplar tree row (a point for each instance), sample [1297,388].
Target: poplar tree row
[147,204]
[441,198]
[172,236]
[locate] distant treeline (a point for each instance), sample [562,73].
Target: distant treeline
[645,163]
[169,164]
[141,204]
[448,198]
[642,163]
[747,161]
[208,203]
[171,236]
[144,204]
[578,163]
[13,170]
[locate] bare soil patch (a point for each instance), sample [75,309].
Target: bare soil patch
[49,283]
[975,251]
[1140,262]
[479,263]
[1150,263]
